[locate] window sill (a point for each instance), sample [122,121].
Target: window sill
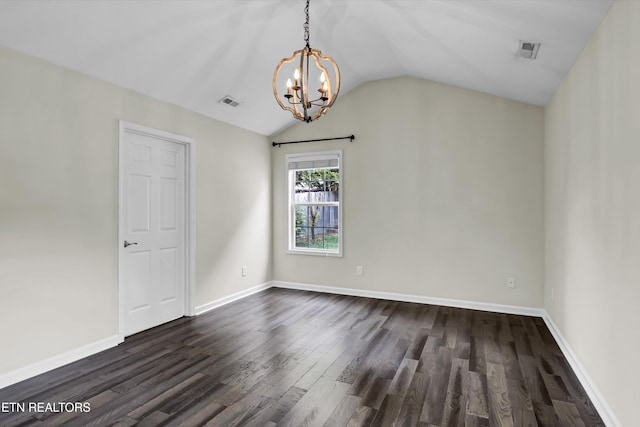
[314,253]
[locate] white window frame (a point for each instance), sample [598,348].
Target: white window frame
[311,158]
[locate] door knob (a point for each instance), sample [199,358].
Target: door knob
[129,243]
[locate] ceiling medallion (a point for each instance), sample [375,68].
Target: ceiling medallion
[311,68]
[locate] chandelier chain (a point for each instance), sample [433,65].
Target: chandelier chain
[306,24]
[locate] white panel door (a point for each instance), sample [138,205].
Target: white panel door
[154,209]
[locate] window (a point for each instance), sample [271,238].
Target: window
[315,215]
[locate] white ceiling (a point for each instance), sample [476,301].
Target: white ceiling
[192,53]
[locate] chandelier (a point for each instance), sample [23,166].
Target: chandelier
[311,68]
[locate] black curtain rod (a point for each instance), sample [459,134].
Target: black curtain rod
[350,137]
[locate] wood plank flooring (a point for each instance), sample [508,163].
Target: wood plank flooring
[294,358]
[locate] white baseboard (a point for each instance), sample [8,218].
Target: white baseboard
[54,362]
[601,405]
[226,300]
[473,305]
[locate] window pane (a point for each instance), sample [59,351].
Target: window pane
[314,214]
[331,239]
[314,196]
[330,217]
[332,185]
[332,174]
[302,240]
[318,216]
[301,216]
[331,191]
[301,193]
[316,178]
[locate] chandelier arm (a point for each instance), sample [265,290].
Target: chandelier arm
[294,110]
[337,76]
[316,57]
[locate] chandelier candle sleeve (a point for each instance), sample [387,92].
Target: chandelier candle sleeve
[306,66]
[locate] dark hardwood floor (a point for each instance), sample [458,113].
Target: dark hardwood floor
[293,358]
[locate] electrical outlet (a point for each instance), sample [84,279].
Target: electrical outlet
[244,270]
[359,270]
[511,282]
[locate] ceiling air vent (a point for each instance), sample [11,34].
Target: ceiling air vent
[528,50]
[227,100]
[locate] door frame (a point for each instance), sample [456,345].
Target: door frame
[125,127]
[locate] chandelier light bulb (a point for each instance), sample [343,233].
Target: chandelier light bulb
[289,86]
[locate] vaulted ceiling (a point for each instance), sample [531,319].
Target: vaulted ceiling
[194,52]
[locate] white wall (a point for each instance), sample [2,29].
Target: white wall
[592,198]
[442,194]
[58,205]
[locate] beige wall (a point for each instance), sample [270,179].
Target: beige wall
[442,194]
[592,171]
[58,205]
